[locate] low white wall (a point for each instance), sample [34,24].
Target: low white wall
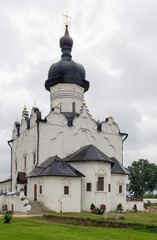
[15,202]
[130,204]
[152,200]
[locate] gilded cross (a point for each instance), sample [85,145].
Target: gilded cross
[67,17]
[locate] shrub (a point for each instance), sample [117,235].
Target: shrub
[8,216]
[95,209]
[134,208]
[120,207]
[98,211]
[148,203]
[92,207]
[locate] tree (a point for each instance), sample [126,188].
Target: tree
[143,177]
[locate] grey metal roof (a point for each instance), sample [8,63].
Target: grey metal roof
[118,167]
[88,153]
[6,180]
[54,166]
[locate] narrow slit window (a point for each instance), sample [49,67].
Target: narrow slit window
[120,189]
[16,165]
[25,162]
[73,107]
[109,187]
[40,190]
[34,158]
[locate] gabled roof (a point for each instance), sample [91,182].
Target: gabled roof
[88,153]
[118,167]
[54,166]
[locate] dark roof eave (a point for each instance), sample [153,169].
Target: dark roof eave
[120,173]
[90,161]
[56,176]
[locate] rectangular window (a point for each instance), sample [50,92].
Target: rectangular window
[66,190]
[109,188]
[40,190]
[34,158]
[1,191]
[89,187]
[73,107]
[100,184]
[16,165]
[25,162]
[120,189]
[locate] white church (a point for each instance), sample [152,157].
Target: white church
[66,160]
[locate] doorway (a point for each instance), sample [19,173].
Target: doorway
[35,192]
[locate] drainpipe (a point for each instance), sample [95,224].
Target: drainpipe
[126,135]
[9,143]
[37,144]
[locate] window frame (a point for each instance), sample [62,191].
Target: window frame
[40,189]
[109,187]
[66,190]
[34,158]
[88,187]
[100,184]
[120,189]
[25,161]
[73,107]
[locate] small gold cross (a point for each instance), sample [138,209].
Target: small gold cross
[67,17]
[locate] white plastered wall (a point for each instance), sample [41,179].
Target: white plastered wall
[64,95]
[53,192]
[116,197]
[92,170]
[56,137]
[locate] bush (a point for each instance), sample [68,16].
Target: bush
[120,207]
[95,209]
[8,216]
[148,203]
[134,208]
[98,211]
[92,207]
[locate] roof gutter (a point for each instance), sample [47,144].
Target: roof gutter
[124,134]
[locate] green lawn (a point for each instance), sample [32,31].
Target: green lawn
[38,229]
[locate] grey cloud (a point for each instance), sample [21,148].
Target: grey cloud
[114,40]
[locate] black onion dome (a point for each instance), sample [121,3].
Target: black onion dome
[66,40]
[66,70]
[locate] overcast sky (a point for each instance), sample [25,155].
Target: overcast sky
[115,41]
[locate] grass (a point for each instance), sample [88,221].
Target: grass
[38,229]
[146,218]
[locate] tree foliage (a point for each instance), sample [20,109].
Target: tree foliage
[143,177]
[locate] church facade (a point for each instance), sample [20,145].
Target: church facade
[67,160]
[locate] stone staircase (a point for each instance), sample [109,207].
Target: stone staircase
[38,208]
